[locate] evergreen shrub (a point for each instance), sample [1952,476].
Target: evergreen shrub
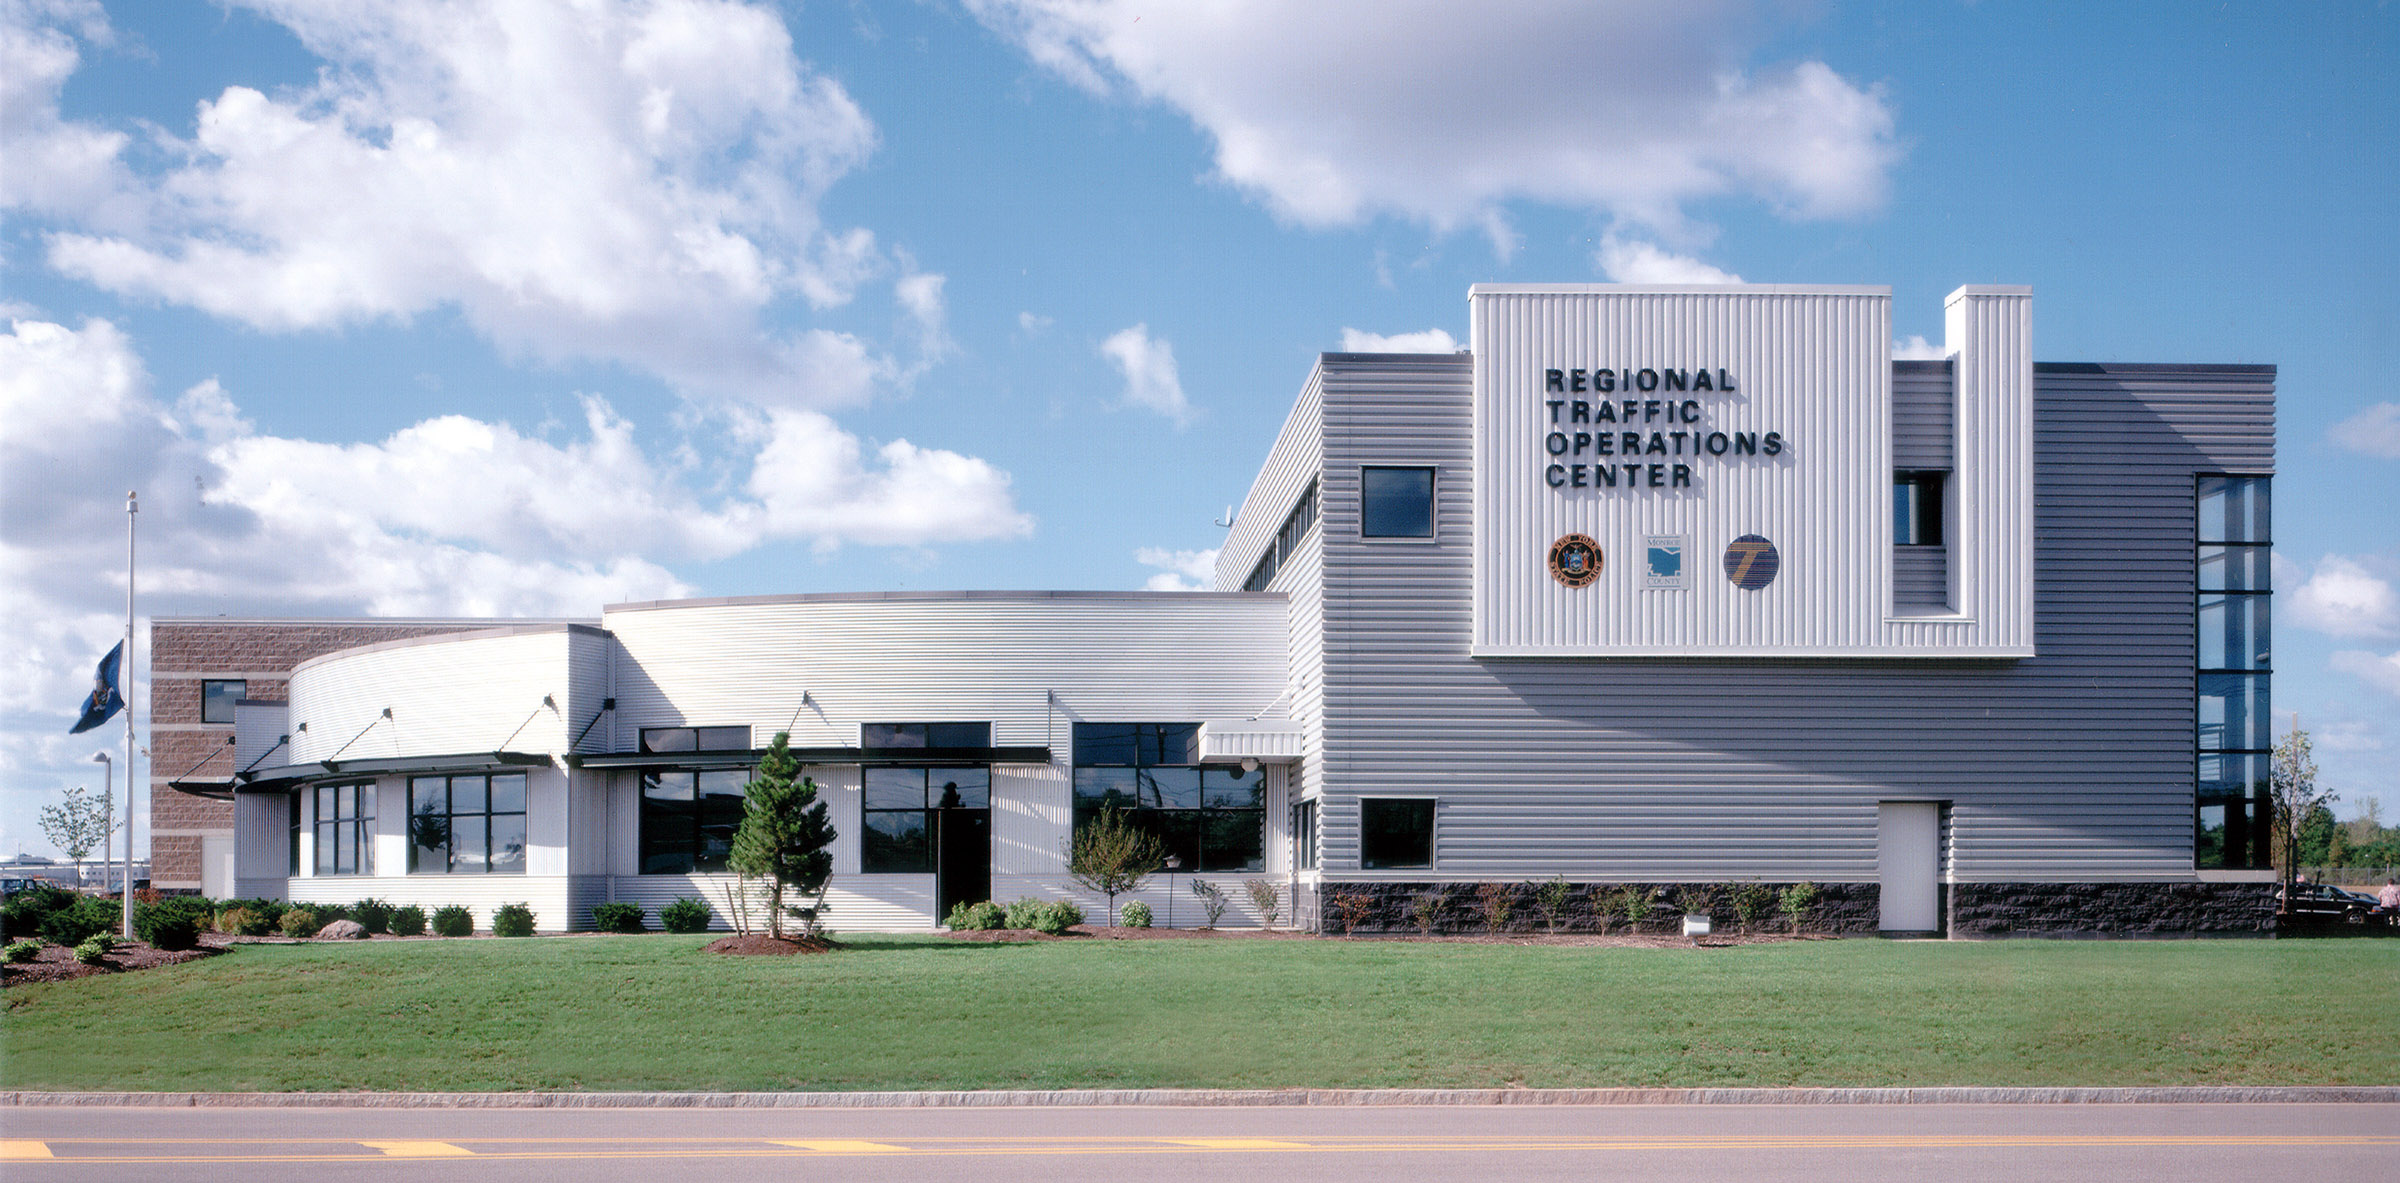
[23,914]
[373,915]
[617,917]
[408,920]
[1024,913]
[175,922]
[1057,917]
[453,921]
[82,920]
[688,914]
[299,922]
[966,917]
[513,920]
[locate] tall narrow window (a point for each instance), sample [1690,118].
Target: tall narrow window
[345,829]
[1917,508]
[2233,665]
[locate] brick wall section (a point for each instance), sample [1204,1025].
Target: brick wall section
[185,652]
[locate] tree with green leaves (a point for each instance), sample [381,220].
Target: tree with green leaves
[78,824]
[785,839]
[1111,855]
[2297,797]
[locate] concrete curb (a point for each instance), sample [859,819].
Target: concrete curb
[1204,1098]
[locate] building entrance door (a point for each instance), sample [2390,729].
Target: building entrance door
[963,848]
[1908,861]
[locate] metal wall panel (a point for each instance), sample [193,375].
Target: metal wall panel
[2071,765]
[1924,422]
[448,695]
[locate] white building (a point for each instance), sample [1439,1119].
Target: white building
[1653,585]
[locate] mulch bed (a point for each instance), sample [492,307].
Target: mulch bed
[762,946]
[56,963]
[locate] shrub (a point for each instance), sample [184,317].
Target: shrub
[973,917]
[1751,900]
[1497,901]
[1696,899]
[1264,898]
[512,920]
[688,914]
[617,917]
[298,922]
[373,915]
[1352,907]
[453,921]
[1426,910]
[1796,902]
[1057,917]
[20,952]
[1212,898]
[1135,914]
[94,948]
[1551,896]
[1024,913]
[1111,855]
[328,913]
[408,920]
[270,911]
[173,923]
[242,922]
[25,911]
[1632,903]
[87,917]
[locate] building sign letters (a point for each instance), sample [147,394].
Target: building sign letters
[1598,442]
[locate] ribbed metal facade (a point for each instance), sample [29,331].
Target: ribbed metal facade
[469,692]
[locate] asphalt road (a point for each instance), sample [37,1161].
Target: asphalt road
[1193,1145]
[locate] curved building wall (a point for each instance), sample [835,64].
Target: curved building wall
[469,692]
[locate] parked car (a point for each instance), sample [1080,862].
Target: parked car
[2320,903]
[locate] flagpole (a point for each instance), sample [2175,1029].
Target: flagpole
[125,893]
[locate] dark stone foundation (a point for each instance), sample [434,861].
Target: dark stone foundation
[2112,909]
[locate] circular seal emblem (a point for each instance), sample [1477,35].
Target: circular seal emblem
[1751,562]
[1575,560]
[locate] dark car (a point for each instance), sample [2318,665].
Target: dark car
[2318,903]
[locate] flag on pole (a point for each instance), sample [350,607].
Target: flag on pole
[104,702]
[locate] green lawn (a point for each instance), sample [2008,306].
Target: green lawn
[651,1012]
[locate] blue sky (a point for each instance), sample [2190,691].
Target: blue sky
[432,308]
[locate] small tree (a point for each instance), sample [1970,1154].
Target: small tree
[78,823]
[1111,856]
[2296,798]
[784,838]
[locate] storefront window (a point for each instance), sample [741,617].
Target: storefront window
[467,825]
[1209,818]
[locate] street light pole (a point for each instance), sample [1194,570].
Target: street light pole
[108,825]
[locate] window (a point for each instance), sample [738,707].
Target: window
[346,829]
[688,819]
[900,808]
[1395,833]
[467,825]
[1287,540]
[2233,665]
[695,739]
[1917,508]
[1210,818]
[1304,836]
[217,696]
[1395,502]
[926,735]
[294,861]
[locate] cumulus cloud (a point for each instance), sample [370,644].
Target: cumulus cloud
[1148,364]
[1443,113]
[449,516]
[1917,348]
[630,180]
[2380,670]
[2374,431]
[1633,261]
[1422,341]
[1180,570]
[2341,597]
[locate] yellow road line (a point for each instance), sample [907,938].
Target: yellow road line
[1240,1143]
[840,1146]
[20,1149]
[420,1149]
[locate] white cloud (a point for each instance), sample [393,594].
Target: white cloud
[1440,112]
[1148,364]
[53,166]
[1422,341]
[1631,261]
[618,179]
[2374,431]
[2380,670]
[2342,597]
[1917,348]
[1181,570]
[1032,324]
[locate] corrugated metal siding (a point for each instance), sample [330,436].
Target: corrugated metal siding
[1920,579]
[2073,765]
[447,695]
[1924,421]
[1291,464]
[258,728]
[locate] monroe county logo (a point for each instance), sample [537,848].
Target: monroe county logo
[1751,562]
[1662,562]
[1575,560]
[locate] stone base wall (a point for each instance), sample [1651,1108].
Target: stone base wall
[1386,908]
[2112,909]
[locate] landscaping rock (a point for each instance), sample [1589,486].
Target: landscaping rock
[343,930]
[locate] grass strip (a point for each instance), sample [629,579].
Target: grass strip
[653,1012]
